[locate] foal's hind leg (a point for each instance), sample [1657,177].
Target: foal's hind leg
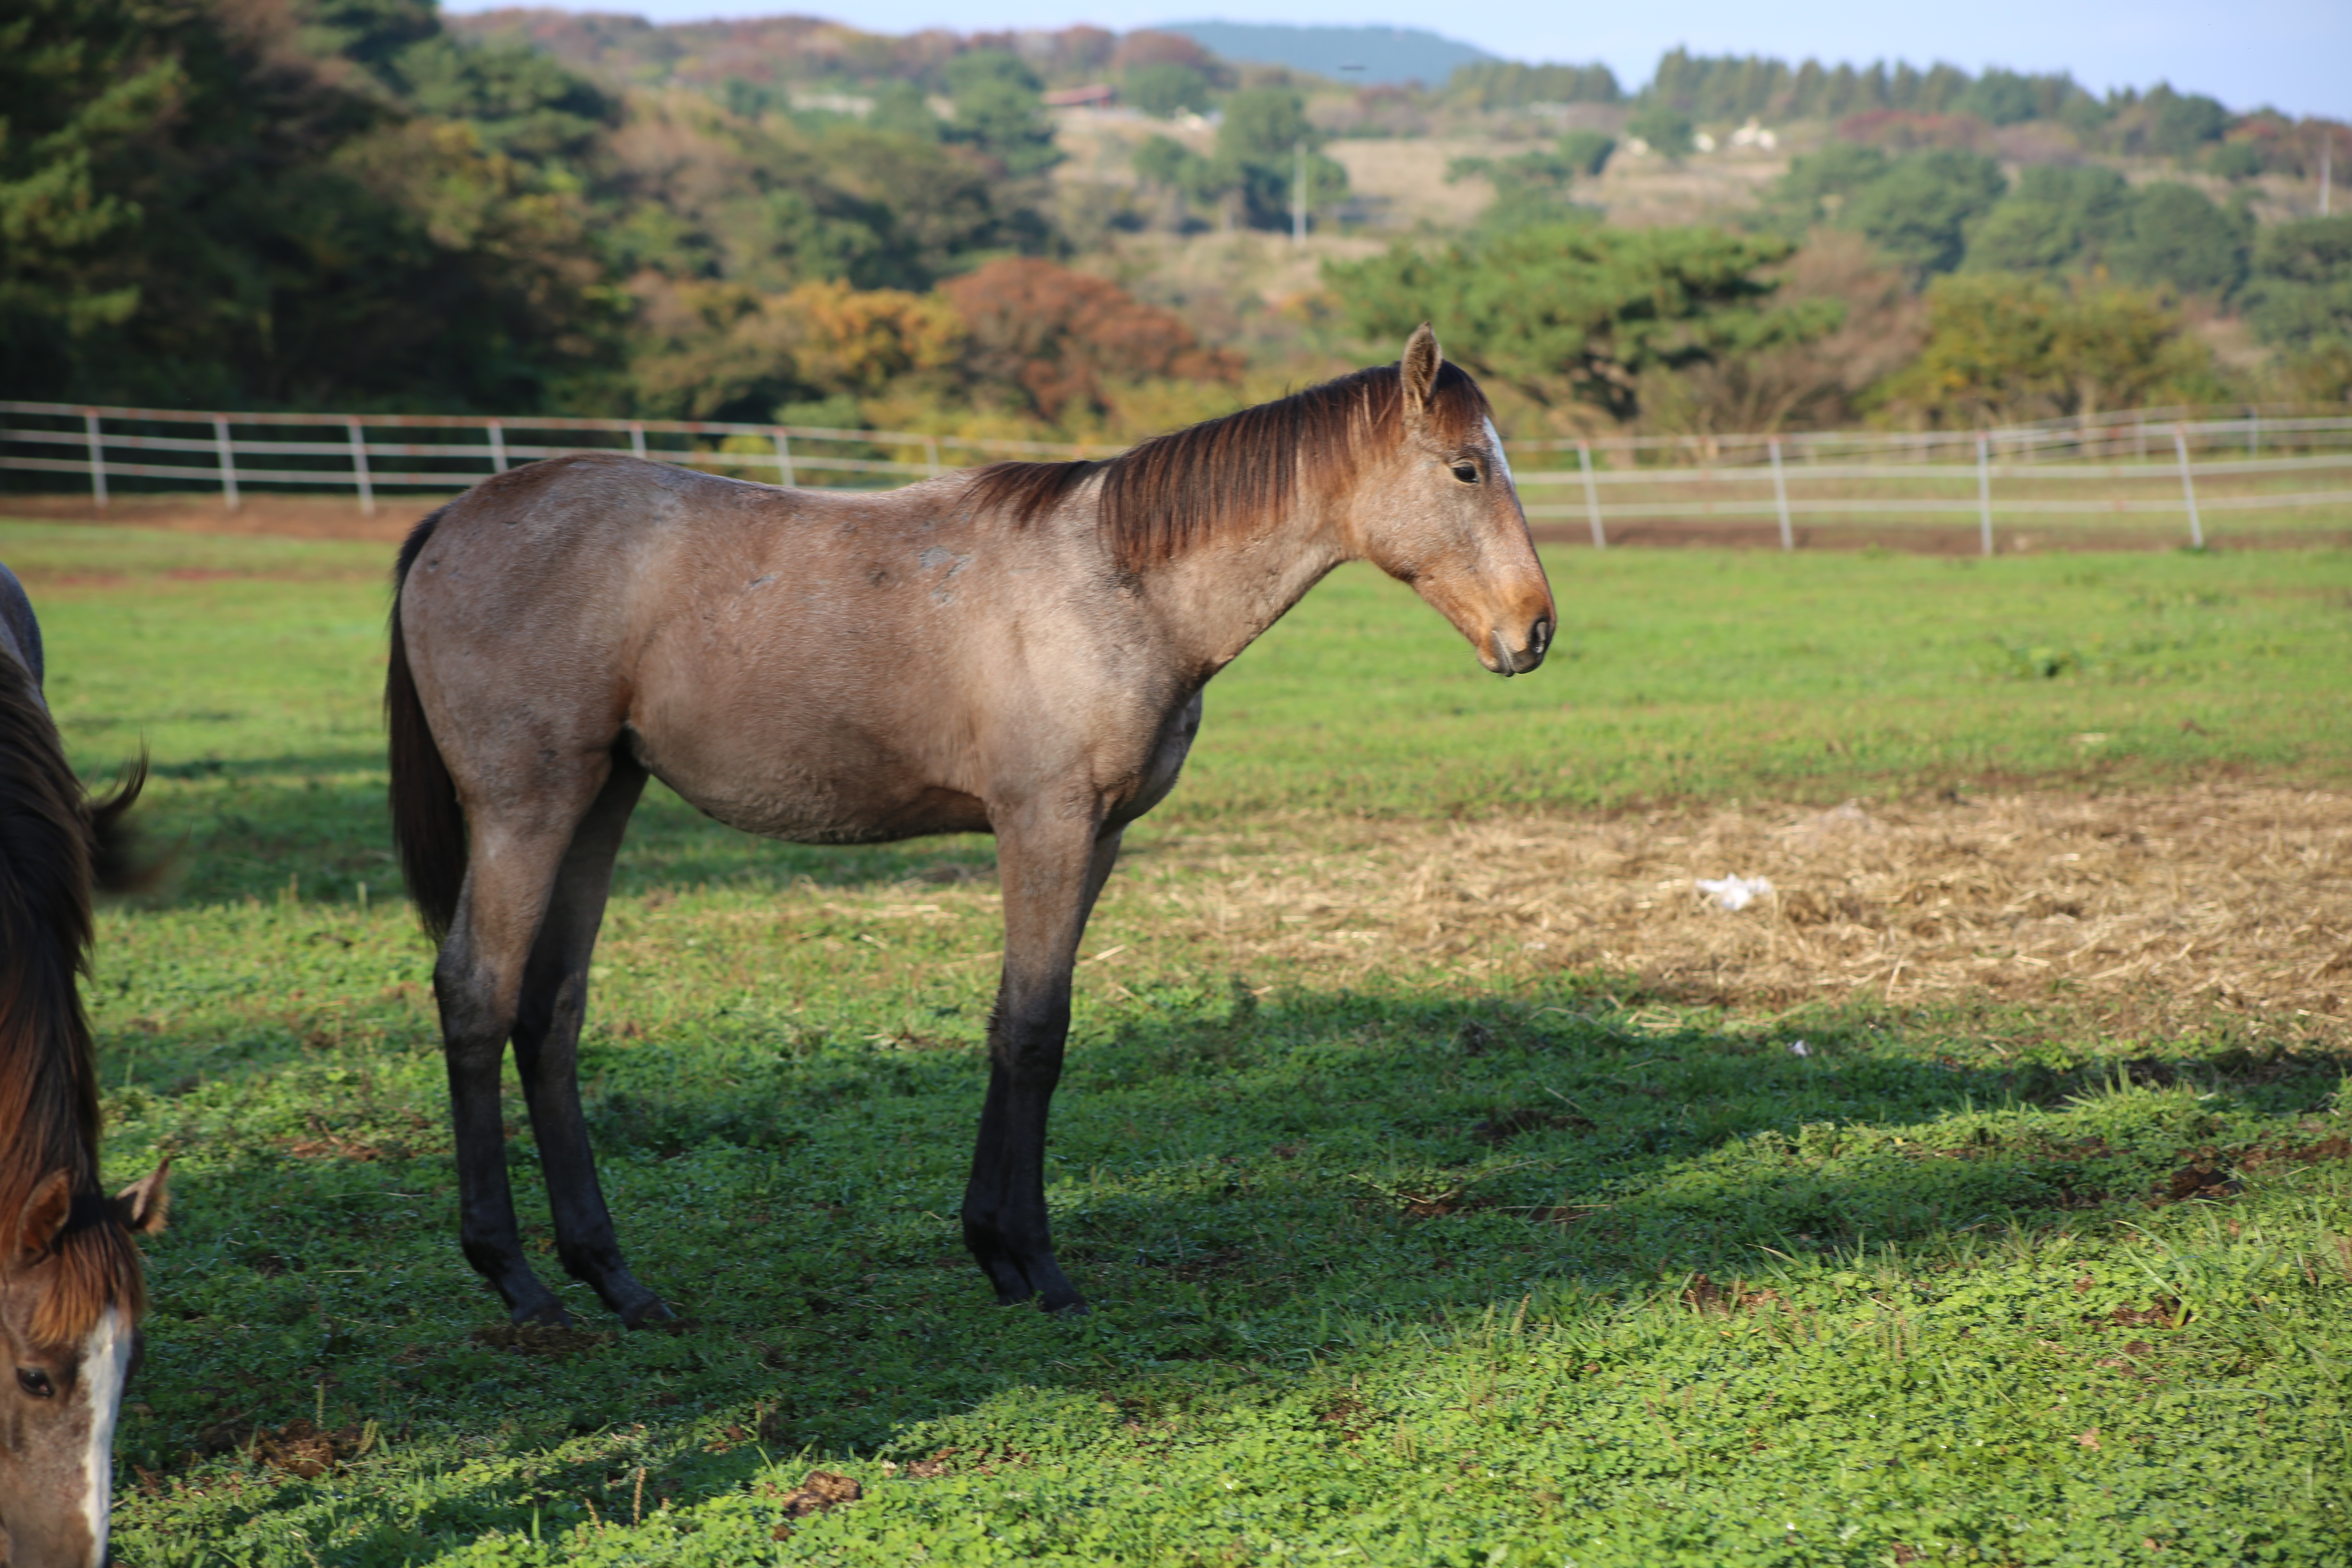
[547,1051]
[516,855]
[1052,872]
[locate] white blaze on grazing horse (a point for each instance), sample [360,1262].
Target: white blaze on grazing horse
[1017,651]
[71,1285]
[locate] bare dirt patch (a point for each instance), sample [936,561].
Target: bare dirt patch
[2217,896]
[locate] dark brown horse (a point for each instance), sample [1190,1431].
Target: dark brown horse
[71,1286]
[1017,651]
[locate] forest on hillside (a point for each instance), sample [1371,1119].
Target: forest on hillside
[358,204]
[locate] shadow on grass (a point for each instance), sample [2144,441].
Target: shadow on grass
[248,829]
[1240,1188]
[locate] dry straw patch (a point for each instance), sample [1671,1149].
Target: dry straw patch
[2216,896]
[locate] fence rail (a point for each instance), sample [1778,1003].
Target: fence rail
[2279,468]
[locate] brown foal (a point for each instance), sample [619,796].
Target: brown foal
[1018,650]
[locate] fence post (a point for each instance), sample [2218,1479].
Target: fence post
[1781,497]
[784,461]
[638,439]
[1591,496]
[97,459]
[2188,488]
[498,447]
[1984,490]
[359,469]
[227,450]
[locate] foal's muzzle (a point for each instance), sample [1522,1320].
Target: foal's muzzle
[1506,662]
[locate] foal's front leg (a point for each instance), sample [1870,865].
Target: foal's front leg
[1052,872]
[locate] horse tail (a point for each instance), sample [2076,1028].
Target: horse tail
[427,823]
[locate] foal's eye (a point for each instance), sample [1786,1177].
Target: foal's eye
[1467,472]
[35,1382]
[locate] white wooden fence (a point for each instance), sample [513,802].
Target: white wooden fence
[2280,470]
[2289,471]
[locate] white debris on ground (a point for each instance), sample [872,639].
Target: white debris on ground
[1734,893]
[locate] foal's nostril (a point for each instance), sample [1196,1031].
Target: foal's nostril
[1539,635]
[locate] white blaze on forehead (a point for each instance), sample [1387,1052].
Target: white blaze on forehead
[105,1367]
[1502,463]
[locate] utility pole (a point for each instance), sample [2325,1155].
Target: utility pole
[1299,197]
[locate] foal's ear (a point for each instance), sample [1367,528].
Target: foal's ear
[1418,371]
[42,1217]
[142,1205]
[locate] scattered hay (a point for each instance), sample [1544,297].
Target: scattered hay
[300,1449]
[823,1490]
[2217,896]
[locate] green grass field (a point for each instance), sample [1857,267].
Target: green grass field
[1431,1269]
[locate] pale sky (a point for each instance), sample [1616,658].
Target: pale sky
[2294,54]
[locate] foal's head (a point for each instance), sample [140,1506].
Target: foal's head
[72,1293]
[1444,515]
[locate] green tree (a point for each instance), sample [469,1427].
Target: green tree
[2058,217]
[1571,314]
[199,204]
[1168,88]
[2175,235]
[1818,186]
[1919,210]
[1534,187]
[2002,98]
[1001,111]
[1667,129]
[2005,348]
[2299,295]
[2181,124]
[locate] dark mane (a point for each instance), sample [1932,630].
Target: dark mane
[1161,498]
[50,838]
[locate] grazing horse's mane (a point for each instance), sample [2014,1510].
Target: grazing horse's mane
[52,840]
[1161,498]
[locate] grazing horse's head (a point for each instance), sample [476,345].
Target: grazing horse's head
[1446,519]
[71,1295]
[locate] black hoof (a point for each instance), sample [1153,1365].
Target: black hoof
[650,1313]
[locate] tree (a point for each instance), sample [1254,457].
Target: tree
[1666,130]
[1062,339]
[2175,235]
[2299,295]
[1570,314]
[1919,210]
[2003,348]
[1534,187]
[2058,217]
[2181,124]
[209,203]
[1819,184]
[1000,111]
[1168,90]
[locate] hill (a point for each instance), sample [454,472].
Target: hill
[1344,54]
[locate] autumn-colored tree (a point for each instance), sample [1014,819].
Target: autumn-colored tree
[1060,339]
[718,349]
[858,341]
